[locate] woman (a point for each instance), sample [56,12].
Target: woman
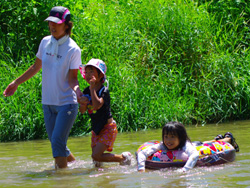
[59,57]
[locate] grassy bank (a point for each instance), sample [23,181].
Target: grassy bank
[167,60]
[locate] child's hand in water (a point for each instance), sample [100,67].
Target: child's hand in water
[182,170]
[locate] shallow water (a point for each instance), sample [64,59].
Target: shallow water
[30,164]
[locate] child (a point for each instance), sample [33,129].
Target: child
[174,137]
[96,100]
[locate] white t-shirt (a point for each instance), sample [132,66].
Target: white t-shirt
[55,72]
[193,155]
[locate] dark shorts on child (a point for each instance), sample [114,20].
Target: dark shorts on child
[107,136]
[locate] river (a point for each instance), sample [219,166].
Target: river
[30,164]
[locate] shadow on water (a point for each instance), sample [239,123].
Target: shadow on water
[29,164]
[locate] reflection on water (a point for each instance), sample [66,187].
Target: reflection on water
[30,164]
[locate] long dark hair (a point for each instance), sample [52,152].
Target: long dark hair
[178,129]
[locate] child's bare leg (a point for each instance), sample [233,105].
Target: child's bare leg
[227,139]
[99,155]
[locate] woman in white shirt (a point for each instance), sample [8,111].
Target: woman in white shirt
[59,57]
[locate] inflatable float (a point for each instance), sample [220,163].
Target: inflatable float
[212,153]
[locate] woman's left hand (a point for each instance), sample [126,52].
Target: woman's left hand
[78,95]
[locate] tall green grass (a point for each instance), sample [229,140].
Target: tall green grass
[167,60]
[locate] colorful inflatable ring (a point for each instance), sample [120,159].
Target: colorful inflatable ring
[212,153]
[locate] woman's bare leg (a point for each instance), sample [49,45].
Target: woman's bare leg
[60,162]
[71,158]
